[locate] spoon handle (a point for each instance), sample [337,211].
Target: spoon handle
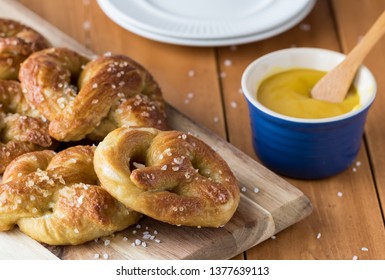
[334,86]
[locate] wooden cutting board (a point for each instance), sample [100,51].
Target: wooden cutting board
[268,204]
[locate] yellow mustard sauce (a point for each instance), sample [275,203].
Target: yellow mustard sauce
[288,93]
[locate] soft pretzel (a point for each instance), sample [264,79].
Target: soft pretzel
[21,128]
[111,91]
[167,175]
[55,198]
[17,42]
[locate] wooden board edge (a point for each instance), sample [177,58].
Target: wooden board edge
[15,245]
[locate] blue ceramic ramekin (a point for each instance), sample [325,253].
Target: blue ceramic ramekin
[305,148]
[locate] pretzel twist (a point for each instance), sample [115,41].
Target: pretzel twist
[182,182]
[55,198]
[111,91]
[21,128]
[17,42]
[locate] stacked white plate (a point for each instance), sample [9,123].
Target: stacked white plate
[207,22]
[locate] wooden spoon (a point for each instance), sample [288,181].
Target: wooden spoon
[335,84]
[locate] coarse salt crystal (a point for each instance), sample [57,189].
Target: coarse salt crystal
[96,256]
[273,237]
[340,194]
[144,244]
[305,26]
[191,73]
[354,169]
[76,230]
[164,167]
[95,85]
[233,104]
[233,48]
[355,258]
[79,201]
[364,249]
[32,197]
[227,62]
[105,256]
[319,235]
[178,160]
[86,25]
[107,242]
[243,189]
[138,226]
[358,163]
[34,210]
[223,75]
[138,242]
[138,165]
[256,190]
[216,119]
[125,238]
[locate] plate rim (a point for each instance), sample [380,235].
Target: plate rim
[110,5]
[238,40]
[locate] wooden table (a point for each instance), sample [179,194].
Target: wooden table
[204,83]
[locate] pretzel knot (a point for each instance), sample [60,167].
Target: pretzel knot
[55,199]
[21,128]
[17,42]
[167,175]
[111,91]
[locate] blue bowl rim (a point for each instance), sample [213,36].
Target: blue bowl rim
[252,100]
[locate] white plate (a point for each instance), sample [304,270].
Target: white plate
[121,20]
[206,19]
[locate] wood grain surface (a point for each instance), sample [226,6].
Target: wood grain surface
[348,217]
[276,206]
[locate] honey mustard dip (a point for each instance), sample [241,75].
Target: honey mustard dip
[288,93]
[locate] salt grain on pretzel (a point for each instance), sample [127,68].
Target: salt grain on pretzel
[190,191]
[110,92]
[21,128]
[17,42]
[57,200]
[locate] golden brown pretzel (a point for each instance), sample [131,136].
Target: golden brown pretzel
[111,91]
[183,181]
[17,42]
[21,128]
[55,199]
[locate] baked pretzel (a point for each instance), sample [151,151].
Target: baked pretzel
[17,42]
[21,128]
[111,91]
[167,175]
[55,198]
